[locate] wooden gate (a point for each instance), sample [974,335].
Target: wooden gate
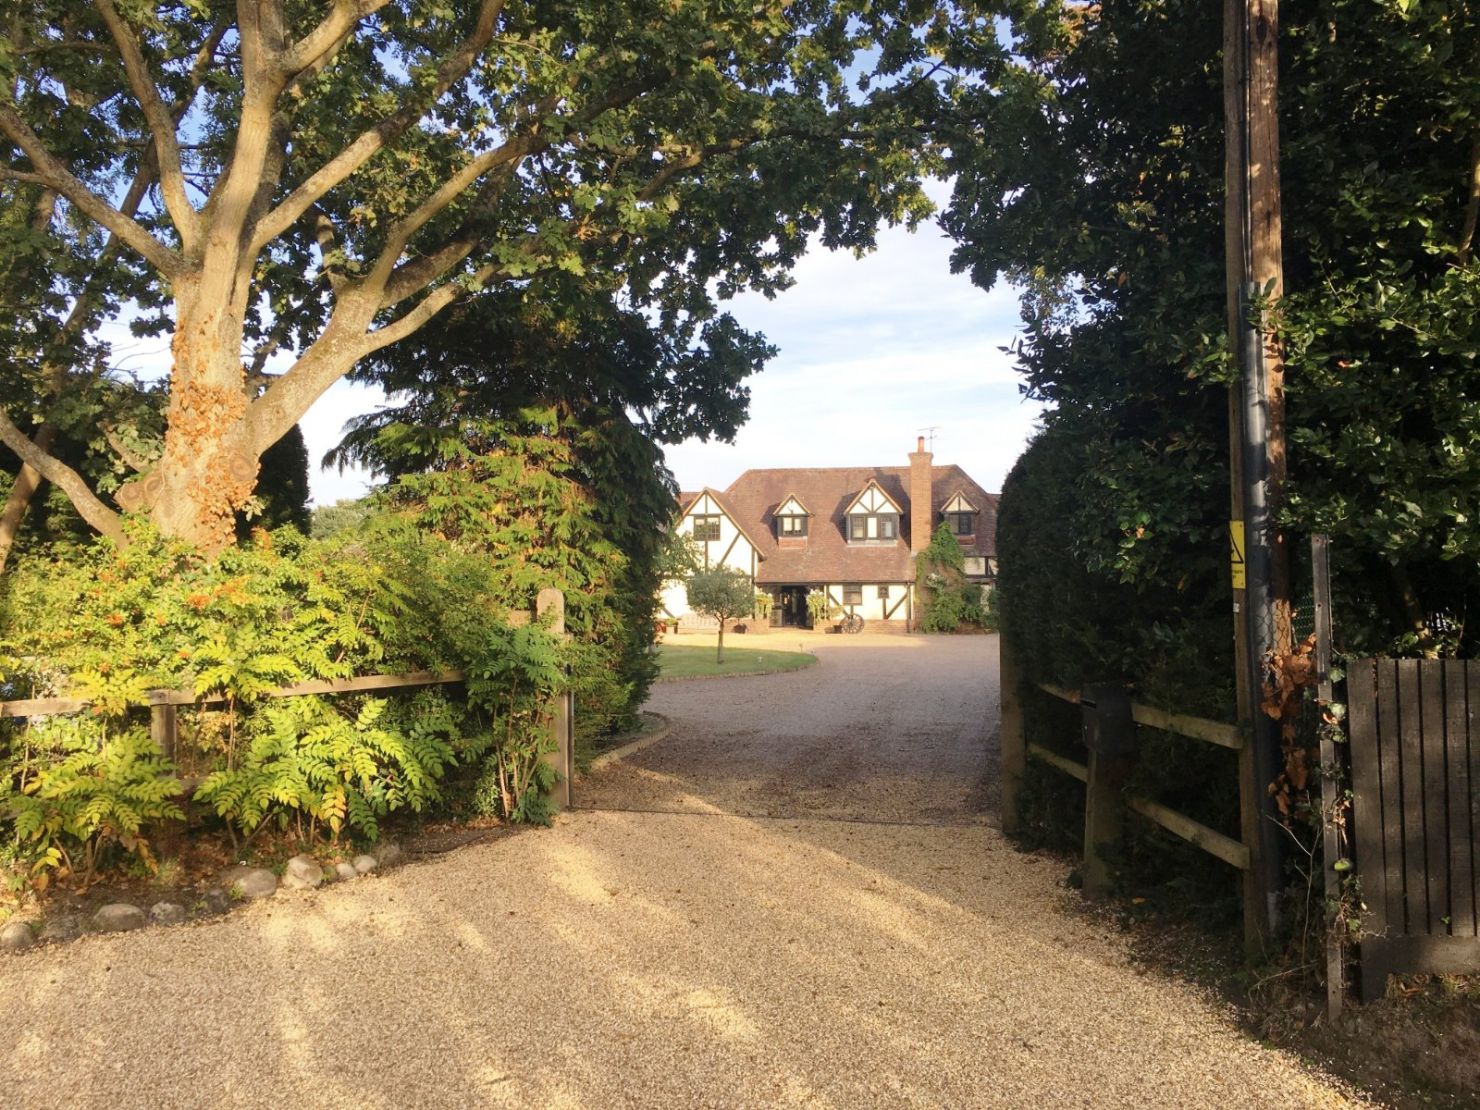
[1415,748]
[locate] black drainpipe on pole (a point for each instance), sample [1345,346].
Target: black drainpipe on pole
[1259,599]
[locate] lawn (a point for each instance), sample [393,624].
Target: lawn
[685,661]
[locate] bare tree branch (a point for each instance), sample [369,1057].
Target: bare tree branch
[313,50]
[433,303]
[692,159]
[398,283]
[162,124]
[505,156]
[326,234]
[453,69]
[132,461]
[59,474]
[50,172]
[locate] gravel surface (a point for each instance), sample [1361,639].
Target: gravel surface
[797,898]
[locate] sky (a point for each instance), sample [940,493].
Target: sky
[873,352]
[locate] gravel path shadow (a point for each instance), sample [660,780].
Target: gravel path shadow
[798,899]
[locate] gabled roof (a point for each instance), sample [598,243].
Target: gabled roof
[957,503]
[792,499]
[722,504]
[873,483]
[826,556]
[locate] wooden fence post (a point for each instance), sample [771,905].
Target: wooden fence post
[1104,821]
[1332,791]
[562,759]
[1012,740]
[164,728]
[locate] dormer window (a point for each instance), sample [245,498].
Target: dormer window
[791,520]
[960,516]
[873,517]
[863,527]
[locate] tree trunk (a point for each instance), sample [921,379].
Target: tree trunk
[27,481]
[719,654]
[209,466]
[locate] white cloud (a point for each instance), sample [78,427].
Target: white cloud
[872,352]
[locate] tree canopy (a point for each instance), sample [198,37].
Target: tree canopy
[314,182]
[1109,213]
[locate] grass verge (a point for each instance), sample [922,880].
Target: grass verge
[684,661]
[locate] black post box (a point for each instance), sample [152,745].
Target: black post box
[1108,727]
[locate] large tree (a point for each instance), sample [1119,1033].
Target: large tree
[322,179]
[1109,212]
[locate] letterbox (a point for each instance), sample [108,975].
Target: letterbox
[1108,727]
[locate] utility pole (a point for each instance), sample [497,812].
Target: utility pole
[1261,572]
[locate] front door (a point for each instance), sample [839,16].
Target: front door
[794,607]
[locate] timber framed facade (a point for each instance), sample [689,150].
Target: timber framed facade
[851,532]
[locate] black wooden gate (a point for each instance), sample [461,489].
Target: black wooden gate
[1415,747]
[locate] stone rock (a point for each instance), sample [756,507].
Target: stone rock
[250,882]
[216,900]
[303,873]
[346,871]
[16,935]
[62,928]
[119,917]
[365,864]
[389,855]
[167,913]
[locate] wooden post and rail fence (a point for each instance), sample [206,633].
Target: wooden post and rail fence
[164,705]
[1411,832]
[1106,801]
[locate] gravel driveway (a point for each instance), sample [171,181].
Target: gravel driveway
[797,898]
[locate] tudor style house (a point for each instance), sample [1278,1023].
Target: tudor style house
[851,531]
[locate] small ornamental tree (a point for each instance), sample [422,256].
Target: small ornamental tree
[723,594]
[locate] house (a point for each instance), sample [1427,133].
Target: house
[853,532]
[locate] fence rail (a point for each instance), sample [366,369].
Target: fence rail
[46,707]
[1231,851]
[1104,776]
[1193,728]
[164,704]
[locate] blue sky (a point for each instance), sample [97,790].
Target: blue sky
[872,350]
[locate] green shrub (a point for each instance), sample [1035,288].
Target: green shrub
[113,624]
[311,758]
[74,791]
[948,601]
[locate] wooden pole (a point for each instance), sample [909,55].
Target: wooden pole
[1254,268]
[164,728]
[1104,821]
[562,759]
[1333,800]
[1012,739]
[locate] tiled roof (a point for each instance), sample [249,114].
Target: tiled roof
[825,555]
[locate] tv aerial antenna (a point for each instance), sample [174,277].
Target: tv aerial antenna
[929,434]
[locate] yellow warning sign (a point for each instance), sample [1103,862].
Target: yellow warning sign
[1236,553]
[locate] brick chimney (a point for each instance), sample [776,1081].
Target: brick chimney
[922,516]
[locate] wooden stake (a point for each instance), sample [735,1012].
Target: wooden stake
[562,759]
[1012,740]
